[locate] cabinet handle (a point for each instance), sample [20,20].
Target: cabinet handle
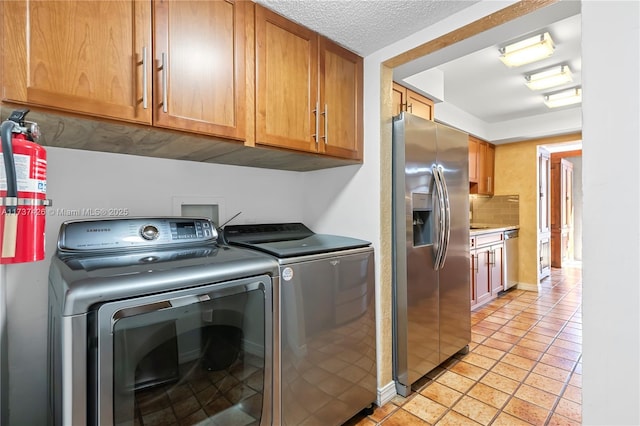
[164,82]
[489,184]
[317,115]
[144,77]
[492,257]
[410,108]
[326,125]
[475,262]
[403,107]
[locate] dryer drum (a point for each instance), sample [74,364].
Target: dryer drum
[222,346]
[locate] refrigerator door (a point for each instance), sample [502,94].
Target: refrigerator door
[416,328]
[455,304]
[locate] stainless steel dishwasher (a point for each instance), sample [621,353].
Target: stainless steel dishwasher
[511,258]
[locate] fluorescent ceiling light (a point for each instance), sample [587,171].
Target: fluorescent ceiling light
[550,77]
[528,50]
[566,97]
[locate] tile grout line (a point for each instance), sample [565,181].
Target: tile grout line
[457,357]
[521,382]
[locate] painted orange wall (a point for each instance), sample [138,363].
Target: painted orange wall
[516,174]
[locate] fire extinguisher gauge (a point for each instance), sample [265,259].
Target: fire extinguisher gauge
[149,232]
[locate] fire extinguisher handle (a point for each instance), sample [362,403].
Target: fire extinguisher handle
[18,116]
[9,165]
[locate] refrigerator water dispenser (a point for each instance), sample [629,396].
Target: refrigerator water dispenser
[422,213]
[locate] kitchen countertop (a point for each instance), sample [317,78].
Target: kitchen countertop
[482,228]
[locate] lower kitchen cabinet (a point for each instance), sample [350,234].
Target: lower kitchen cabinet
[487,267]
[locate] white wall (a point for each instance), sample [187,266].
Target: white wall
[611,237]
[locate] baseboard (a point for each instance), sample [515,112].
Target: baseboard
[386,393]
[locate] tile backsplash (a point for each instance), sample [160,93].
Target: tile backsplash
[496,210]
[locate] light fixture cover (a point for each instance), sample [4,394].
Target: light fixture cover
[549,77]
[528,50]
[566,97]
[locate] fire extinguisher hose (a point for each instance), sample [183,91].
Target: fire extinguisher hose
[9,236]
[9,165]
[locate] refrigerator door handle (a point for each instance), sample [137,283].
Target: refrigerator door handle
[441,232]
[447,217]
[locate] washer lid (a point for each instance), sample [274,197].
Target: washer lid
[315,244]
[288,239]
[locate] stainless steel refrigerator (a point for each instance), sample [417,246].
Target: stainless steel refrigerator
[431,291]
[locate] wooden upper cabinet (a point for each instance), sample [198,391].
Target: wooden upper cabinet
[199,66]
[286,82]
[80,56]
[399,98]
[340,76]
[405,99]
[489,168]
[308,90]
[481,166]
[474,147]
[419,105]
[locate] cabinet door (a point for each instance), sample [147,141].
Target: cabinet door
[483,285]
[80,56]
[199,54]
[474,146]
[472,280]
[286,83]
[399,98]
[496,268]
[419,105]
[483,168]
[340,76]
[490,167]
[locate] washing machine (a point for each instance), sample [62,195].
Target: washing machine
[151,321]
[326,341]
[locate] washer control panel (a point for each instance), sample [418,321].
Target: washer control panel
[132,233]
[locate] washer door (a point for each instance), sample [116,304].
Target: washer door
[185,357]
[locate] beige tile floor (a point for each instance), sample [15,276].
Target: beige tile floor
[524,366]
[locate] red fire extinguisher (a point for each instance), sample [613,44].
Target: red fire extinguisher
[23,187]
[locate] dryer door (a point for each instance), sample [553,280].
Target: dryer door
[200,354]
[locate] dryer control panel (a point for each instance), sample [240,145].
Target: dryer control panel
[134,233]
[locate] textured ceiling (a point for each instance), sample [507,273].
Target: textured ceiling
[365,26]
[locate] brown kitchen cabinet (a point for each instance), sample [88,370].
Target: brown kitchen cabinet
[80,56]
[480,282]
[308,90]
[474,152]
[487,267]
[481,166]
[186,72]
[199,66]
[405,99]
